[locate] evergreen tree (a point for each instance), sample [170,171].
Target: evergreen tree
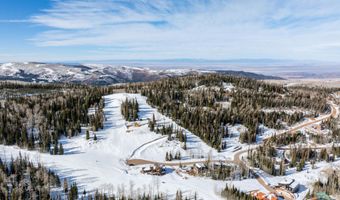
[282,168]
[130,109]
[61,149]
[167,156]
[56,149]
[65,186]
[87,134]
[73,193]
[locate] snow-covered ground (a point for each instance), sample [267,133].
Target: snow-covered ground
[196,148]
[306,177]
[226,86]
[247,185]
[265,132]
[289,111]
[53,72]
[101,164]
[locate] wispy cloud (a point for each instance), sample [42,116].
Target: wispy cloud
[14,21]
[214,29]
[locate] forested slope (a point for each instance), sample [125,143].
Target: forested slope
[197,103]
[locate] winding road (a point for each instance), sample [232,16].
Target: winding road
[238,155]
[145,144]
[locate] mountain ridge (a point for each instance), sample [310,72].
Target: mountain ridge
[99,74]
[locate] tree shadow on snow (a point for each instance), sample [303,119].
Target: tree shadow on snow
[72,150]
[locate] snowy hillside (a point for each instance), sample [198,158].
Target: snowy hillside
[98,74]
[101,164]
[87,73]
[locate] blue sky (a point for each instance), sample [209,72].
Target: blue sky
[73,30]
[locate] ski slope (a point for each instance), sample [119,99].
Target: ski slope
[101,164]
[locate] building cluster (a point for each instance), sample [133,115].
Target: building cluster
[289,184]
[262,196]
[156,169]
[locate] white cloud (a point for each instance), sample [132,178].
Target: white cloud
[14,21]
[213,29]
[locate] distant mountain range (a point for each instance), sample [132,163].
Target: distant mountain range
[99,74]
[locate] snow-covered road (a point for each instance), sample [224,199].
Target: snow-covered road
[101,163]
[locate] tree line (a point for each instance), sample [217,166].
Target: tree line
[37,122]
[200,110]
[130,109]
[21,179]
[330,186]
[234,193]
[264,157]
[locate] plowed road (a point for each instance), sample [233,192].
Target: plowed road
[237,157]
